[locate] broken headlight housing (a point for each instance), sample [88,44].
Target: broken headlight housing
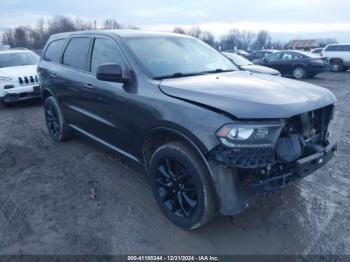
[250,134]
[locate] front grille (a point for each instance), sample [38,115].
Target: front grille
[28,80]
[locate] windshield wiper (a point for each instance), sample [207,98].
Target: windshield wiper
[177,75]
[218,70]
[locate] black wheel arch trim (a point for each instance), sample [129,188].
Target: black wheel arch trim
[43,91]
[195,144]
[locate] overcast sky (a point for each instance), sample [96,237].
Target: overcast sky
[285,19]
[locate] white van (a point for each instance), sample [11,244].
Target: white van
[338,55]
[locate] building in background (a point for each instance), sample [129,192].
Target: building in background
[309,44]
[305,45]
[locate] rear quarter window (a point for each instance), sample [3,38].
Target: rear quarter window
[338,48]
[53,51]
[330,48]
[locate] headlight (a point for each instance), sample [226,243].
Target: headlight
[246,134]
[5,78]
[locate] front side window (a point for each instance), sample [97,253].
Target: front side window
[165,56]
[54,50]
[18,59]
[105,51]
[76,53]
[260,55]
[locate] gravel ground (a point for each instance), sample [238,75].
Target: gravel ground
[77,198]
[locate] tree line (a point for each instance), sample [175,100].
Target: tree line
[35,37]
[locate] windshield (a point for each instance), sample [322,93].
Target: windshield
[18,59]
[166,56]
[237,59]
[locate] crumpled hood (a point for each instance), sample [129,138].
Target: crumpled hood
[18,71]
[261,69]
[246,95]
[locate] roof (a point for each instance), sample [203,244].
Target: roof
[302,43]
[121,33]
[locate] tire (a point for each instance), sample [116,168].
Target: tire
[55,122]
[299,72]
[336,65]
[181,186]
[345,69]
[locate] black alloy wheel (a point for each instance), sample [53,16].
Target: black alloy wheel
[181,185]
[55,123]
[52,119]
[176,188]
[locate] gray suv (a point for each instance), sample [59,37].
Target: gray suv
[209,136]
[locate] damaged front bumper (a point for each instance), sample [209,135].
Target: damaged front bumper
[237,187]
[243,169]
[299,169]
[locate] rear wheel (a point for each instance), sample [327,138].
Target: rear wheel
[181,186]
[54,120]
[336,65]
[299,72]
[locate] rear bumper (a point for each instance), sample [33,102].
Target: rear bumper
[313,70]
[20,94]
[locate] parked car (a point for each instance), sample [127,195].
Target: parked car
[298,64]
[245,64]
[18,76]
[238,52]
[316,50]
[210,137]
[338,55]
[260,54]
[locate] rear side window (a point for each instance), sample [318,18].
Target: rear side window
[76,53]
[338,48]
[53,51]
[105,51]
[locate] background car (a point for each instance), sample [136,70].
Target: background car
[245,64]
[316,50]
[18,76]
[297,64]
[260,54]
[238,52]
[338,55]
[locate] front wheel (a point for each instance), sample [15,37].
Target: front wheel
[181,185]
[54,120]
[299,72]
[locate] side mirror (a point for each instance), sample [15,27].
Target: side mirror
[112,73]
[266,59]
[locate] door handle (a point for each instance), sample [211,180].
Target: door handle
[54,75]
[89,86]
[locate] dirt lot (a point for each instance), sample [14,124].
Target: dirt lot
[46,205]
